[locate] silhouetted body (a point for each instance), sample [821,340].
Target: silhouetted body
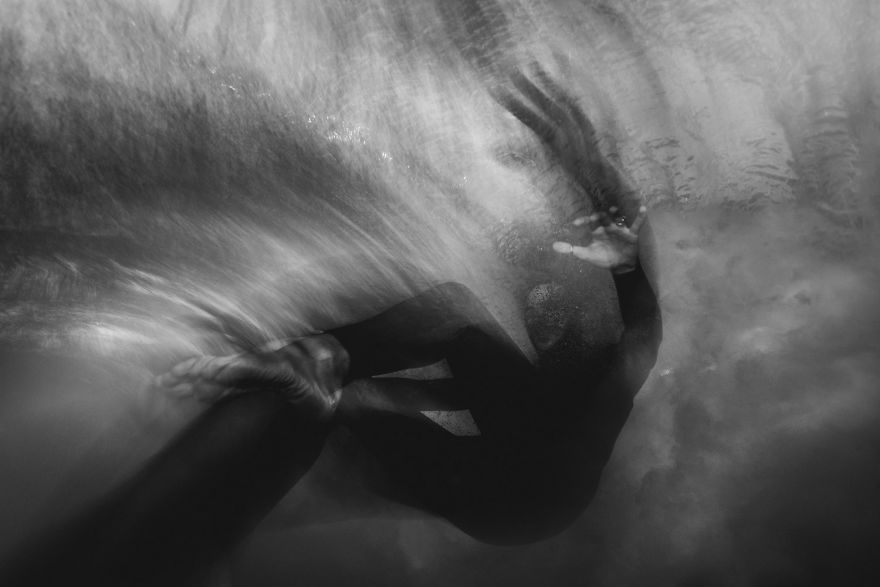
[545,430]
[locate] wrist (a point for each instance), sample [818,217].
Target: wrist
[625,268]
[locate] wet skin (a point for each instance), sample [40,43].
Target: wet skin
[546,429]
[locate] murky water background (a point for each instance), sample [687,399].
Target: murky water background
[297,165]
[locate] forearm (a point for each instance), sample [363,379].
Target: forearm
[187,506]
[636,353]
[636,298]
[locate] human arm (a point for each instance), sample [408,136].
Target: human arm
[615,246]
[636,352]
[601,235]
[308,373]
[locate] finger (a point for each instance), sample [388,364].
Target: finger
[540,99]
[583,125]
[538,125]
[236,378]
[581,253]
[202,391]
[604,174]
[213,392]
[610,183]
[193,367]
[640,219]
[563,247]
[611,186]
[182,368]
[237,372]
[593,172]
[602,219]
[214,366]
[590,254]
[208,367]
[180,389]
[581,228]
[583,223]
[166,380]
[621,232]
[590,178]
[560,96]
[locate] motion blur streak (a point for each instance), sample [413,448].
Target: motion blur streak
[284,167]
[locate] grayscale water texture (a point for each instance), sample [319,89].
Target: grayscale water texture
[297,165]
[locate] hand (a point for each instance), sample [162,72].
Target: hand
[308,372]
[613,245]
[568,135]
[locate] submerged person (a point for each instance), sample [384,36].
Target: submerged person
[542,433]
